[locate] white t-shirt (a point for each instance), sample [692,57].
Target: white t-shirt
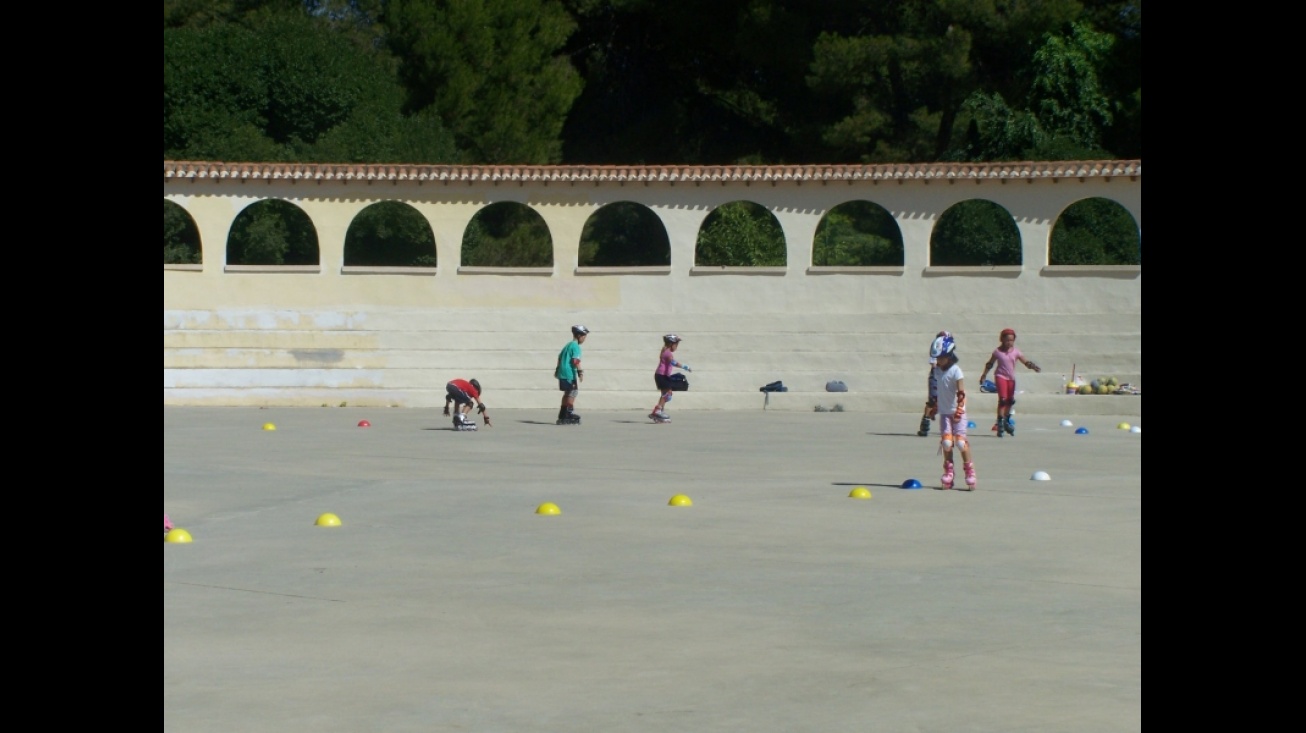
[947,380]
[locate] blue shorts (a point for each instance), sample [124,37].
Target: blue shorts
[565,385]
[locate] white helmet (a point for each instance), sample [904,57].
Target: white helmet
[942,346]
[671,338]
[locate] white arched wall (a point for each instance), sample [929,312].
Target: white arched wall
[394,336]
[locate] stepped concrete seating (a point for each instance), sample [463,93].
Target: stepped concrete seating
[404,357]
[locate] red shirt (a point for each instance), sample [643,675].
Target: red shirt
[467,387]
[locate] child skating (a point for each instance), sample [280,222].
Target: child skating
[1005,357]
[952,411]
[464,394]
[662,377]
[932,393]
[570,375]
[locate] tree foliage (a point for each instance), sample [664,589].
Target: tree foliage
[491,69]
[1095,231]
[290,89]
[181,238]
[650,81]
[740,234]
[507,234]
[390,234]
[976,233]
[1066,112]
[857,234]
[272,232]
[624,234]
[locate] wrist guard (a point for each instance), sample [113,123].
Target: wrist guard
[481,408]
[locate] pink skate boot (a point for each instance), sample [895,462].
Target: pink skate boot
[948,475]
[970,476]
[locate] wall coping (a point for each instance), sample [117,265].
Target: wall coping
[901,172]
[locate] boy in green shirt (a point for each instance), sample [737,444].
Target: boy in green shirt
[570,375]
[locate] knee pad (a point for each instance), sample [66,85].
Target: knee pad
[571,394]
[666,396]
[946,441]
[962,443]
[1007,403]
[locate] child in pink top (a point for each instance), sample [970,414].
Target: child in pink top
[1005,357]
[662,376]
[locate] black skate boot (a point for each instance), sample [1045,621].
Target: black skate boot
[570,418]
[1008,426]
[925,427]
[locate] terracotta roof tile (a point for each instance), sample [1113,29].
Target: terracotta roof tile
[203,170]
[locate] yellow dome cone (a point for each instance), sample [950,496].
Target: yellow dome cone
[680,500]
[269,426]
[861,492]
[548,507]
[328,520]
[177,535]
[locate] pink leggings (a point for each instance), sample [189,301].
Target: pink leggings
[1006,391]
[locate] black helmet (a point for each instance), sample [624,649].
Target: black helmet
[579,330]
[671,338]
[476,385]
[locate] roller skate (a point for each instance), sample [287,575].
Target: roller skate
[925,427]
[1008,426]
[462,422]
[970,476]
[997,426]
[947,478]
[659,416]
[570,418]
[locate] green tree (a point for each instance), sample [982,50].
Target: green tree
[975,233]
[492,69]
[740,234]
[685,82]
[624,234]
[1095,231]
[860,234]
[181,238]
[272,232]
[904,73]
[507,234]
[390,234]
[290,88]
[1066,111]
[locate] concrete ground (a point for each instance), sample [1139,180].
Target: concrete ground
[776,603]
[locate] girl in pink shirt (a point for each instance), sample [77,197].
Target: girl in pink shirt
[662,376]
[1005,357]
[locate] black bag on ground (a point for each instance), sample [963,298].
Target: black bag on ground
[678,382]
